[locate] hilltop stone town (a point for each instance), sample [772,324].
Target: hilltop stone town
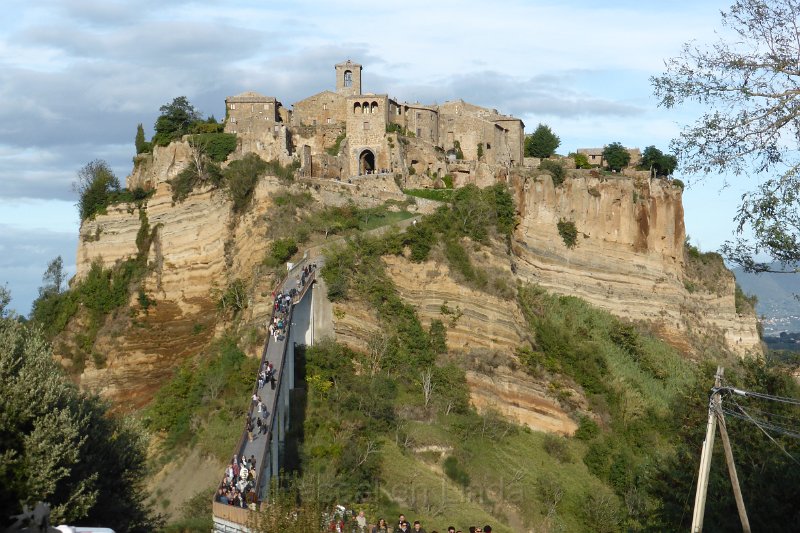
[343,133]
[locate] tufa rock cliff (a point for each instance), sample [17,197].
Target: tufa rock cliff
[629,259]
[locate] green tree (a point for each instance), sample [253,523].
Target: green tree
[142,145]
[650,158]
[616,156]
[53,278]
[542,142]
[770,480]
[748,79]
[175,120]
[61,446]
[96,185]
[581,161]
[242,177]
[655,159]
[5,299]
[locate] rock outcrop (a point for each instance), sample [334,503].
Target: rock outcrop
[629,259]
[629,255]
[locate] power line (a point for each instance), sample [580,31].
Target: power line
[776,415]
[774,427]
[790,456]
[749,394]
[775,424]
[791,401]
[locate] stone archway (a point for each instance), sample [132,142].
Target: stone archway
[366,162]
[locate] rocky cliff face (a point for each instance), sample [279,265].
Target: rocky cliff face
[629,256]
[198,247]
[483,334]
[629,259]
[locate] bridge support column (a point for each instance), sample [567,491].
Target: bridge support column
[274,449]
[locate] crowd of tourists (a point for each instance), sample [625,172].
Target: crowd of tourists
[238,486]
[360,525]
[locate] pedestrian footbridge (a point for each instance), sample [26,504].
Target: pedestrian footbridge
[269,449]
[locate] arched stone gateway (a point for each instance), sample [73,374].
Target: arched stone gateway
[366,162]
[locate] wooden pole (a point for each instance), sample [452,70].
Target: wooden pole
[705,458]
[737,491]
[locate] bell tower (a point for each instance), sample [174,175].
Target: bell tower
[348,78]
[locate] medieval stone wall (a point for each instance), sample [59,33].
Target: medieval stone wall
[251,113]
[515,139]
[320,138]
[323,109]
[422,121]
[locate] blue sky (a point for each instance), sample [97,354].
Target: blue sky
[79,75]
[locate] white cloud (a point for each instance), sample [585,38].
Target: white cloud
[80,74]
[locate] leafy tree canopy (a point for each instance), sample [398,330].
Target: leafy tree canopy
[53,278]
[174,121]
[5,299]
[542,142]
[142,145]
[61,446]
[95,184]
[653,158]
[616,156]
[749,83]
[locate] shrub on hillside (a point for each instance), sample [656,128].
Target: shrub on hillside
[555,169]
[455,471]
[217,146]
[557,448]
[281,250]
[96,185]
[241,178]
[568,232]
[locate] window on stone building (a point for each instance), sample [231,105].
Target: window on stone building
[419,132]
[374,107]
[233,106]
[324,107]
[348,78]
[330,120]
[365,107]
[314,122]
[356,107]
[419,115]
[366,126]
[488,146]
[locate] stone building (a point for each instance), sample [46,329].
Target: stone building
[347,132]
[259,125]
[595,156]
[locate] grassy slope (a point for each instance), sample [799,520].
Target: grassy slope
[515,469]
[630,377]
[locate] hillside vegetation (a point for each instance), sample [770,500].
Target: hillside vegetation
[391,429]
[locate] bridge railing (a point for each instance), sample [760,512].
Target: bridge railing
[279,385]
[238,514]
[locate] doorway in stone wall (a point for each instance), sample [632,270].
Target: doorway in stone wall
[366,162]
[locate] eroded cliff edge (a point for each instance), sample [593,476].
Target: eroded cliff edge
[629,259]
